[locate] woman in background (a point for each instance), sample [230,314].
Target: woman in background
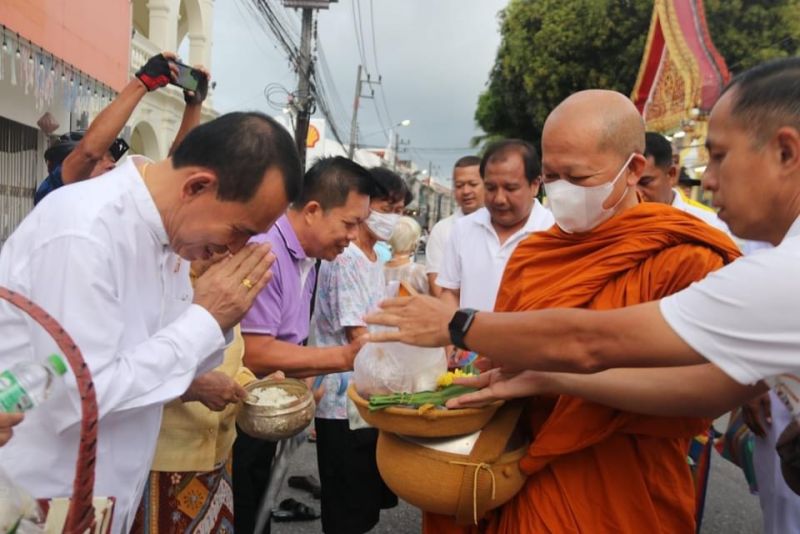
[401,267]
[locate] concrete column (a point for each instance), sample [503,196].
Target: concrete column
[163,23]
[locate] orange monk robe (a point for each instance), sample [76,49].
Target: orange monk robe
[592,468]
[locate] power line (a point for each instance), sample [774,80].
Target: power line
[359,34]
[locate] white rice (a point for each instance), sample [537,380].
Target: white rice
[273,397]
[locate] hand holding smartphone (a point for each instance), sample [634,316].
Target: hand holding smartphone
[190,79]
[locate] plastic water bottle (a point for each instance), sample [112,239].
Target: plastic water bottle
[27,385]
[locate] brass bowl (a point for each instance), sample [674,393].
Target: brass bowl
[276,423]
[436,423]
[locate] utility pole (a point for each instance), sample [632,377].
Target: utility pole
[304,103]
[354,124]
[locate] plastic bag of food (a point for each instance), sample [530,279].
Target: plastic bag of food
[19,512]
[382,368]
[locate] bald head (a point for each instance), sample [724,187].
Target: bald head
[598,119]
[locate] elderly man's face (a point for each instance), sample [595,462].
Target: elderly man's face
[509,196]
[656,183]
[204,225]
[745,178]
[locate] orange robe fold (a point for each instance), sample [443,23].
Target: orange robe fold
[593,468]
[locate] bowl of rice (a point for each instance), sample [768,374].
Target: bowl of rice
[276,409]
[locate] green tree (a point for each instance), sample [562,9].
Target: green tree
[552,48]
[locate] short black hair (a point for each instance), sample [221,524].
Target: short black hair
[467,161]
[387,185]
[767,97]
[499,151]
[330,180]
[240,148]
[659,148]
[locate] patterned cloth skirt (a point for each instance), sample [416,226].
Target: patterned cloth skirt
[187,502]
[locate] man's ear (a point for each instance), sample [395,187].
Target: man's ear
[672,175]
[311,210]
[198,182]
[788,141]
[636,166]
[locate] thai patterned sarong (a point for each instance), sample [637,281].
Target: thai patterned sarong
[187,502]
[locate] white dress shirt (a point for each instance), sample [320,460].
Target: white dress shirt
[475,259]
[436,248]
[95,255]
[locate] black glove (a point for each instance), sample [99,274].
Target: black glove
[198,96]
[155,73]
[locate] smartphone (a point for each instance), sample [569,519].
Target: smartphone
[189,78]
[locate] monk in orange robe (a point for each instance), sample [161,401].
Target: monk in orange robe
[592,468]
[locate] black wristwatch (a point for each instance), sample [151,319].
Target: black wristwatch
[459,326]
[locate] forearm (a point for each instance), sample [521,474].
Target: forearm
[191,118]
[580,341]
[692,391]
[435,290]
[102,132]
[265,354]
[450,296]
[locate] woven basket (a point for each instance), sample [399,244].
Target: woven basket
[462,486]
[434,423]
[81,514]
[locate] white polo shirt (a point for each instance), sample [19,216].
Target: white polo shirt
[700,211]
[745,318]
[436,248]
[475,259]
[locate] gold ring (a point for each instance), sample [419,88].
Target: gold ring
[247,283]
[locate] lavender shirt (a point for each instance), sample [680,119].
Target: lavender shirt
[282,308]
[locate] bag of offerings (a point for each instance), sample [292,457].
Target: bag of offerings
[383,368]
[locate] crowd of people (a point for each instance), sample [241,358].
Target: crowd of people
[588,282]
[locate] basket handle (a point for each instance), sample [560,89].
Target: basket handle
[80,516]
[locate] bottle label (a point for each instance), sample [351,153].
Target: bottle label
[13,397]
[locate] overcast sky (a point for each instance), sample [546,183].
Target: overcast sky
[434,56]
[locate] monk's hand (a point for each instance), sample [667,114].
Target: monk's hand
[229,287]
[420,320]
[757,415]
[215,390]
[7,423]
[500,384]
[788,447]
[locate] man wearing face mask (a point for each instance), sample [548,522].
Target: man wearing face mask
[607,250]
[481,243]
[349,287]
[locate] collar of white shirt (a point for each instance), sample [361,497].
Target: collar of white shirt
[144,200]
[533,224]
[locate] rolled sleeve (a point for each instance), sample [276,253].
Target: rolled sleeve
[435,249]
[449,276]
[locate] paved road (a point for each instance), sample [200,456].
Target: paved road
[730,509]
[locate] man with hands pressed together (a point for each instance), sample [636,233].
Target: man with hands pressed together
[109,259]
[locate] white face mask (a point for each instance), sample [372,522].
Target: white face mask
[580,209]
[382,224]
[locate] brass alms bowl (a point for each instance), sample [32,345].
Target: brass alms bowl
[276,423]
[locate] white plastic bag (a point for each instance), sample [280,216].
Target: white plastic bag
[19,512]
[382,368]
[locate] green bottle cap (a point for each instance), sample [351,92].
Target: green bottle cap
[57,364]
